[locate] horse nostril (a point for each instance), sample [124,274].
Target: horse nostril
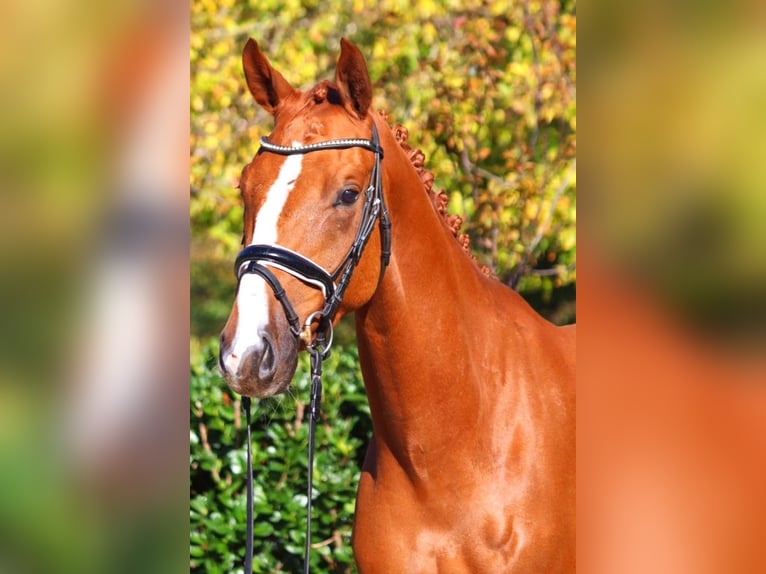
[221,364]
[268,364]
[221,350]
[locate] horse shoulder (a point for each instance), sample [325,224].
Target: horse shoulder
[534,417]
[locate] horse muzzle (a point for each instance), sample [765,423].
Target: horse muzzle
[261,370]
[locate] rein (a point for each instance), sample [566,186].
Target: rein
[258,259]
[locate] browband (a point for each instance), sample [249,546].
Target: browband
[343,143]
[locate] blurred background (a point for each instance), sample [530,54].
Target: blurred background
[671,377]
[488,91]
[93,286]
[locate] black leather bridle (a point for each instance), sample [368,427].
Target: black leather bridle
[260,259]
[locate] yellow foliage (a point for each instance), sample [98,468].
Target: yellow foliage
[487,90]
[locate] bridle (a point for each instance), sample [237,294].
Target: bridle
[258,259]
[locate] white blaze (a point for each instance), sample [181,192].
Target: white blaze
[254,294]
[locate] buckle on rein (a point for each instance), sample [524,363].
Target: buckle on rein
[321,341]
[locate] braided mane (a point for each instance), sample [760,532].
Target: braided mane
[327,91]
[439,198]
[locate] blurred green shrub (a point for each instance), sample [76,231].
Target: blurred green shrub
[280,438]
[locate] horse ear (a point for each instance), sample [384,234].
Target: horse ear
[353,79]
[267,85]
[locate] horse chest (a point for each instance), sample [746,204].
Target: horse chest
[485,529]
[493,505]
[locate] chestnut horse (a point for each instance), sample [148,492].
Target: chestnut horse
[471,466]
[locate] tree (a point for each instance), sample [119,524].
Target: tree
[486,89]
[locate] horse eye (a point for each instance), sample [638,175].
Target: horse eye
[348,196]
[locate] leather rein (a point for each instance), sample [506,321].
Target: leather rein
[260,259]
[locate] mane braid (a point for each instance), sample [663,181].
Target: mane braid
[439,199]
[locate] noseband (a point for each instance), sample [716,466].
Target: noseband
[258,259]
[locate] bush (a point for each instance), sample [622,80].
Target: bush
[280,439]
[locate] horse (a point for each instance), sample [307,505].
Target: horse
[471,464]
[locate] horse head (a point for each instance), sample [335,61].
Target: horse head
[315,225]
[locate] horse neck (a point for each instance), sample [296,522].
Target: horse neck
[418,321]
